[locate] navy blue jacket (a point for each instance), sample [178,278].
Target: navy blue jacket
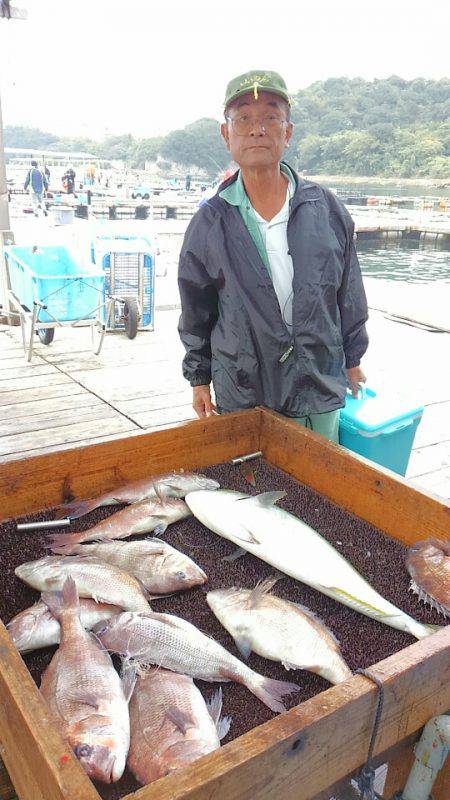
[231,324]
[37,179]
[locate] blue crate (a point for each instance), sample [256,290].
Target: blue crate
[101,243]
[380,428]
[128,250]
[50,275]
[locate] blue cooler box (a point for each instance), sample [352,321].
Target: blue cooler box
[380,428]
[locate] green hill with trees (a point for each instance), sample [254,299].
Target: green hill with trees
[385,127]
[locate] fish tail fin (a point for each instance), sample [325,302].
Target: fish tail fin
[66,541]
[76,509]
[67,600]
[270,691]
[422,630]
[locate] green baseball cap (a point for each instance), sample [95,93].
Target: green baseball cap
[257,80]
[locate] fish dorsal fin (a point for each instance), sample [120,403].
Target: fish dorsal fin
[180,719]
[264,500]
[262,587]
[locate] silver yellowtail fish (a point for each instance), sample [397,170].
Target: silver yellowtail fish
[36,627]
[85,694]
[171,725]
[149,515]
[159,567]
[103,582]
[174,484]
[279,630]
[288,544]
[170,642]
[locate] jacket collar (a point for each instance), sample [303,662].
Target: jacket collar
[304,192]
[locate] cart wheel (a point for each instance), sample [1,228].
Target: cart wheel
[46,335]
[131,317]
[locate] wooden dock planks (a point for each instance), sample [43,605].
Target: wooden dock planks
[142,381]
[42,407]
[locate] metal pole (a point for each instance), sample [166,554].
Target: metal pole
[4,206]
[6,236]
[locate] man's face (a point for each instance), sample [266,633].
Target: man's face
[257,131]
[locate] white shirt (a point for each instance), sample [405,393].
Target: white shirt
[274,235]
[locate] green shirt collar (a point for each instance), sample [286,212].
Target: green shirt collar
[235,193]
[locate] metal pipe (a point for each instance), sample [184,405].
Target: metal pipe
[430,753]
[4,204]
[249,457]
[38,526]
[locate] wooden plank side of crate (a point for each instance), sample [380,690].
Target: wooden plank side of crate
[30,484]
[40,765]
[375,494]
[302,752]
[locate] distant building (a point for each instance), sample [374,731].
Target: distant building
[21,156]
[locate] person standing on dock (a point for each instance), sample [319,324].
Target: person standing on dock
[68,180]
[36,183]
[272,299]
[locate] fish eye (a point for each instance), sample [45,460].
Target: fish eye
[180,575]
[83,750]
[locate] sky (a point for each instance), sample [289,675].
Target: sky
[97,67]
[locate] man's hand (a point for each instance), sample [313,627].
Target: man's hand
[355,377]
[202,403]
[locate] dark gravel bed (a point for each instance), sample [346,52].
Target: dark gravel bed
[364,641]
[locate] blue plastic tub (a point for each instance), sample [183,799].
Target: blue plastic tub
[380,428]
[50,275]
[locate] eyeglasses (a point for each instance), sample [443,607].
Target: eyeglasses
[244,124]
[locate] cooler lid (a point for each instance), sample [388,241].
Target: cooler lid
[374,412]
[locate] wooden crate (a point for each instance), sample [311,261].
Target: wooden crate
[297,754]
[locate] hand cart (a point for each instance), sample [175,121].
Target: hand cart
[129,267]
[50,289]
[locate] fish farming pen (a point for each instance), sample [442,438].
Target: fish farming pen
[432,235]
[367,513]
[137,210]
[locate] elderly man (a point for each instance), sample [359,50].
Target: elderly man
[273,305]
